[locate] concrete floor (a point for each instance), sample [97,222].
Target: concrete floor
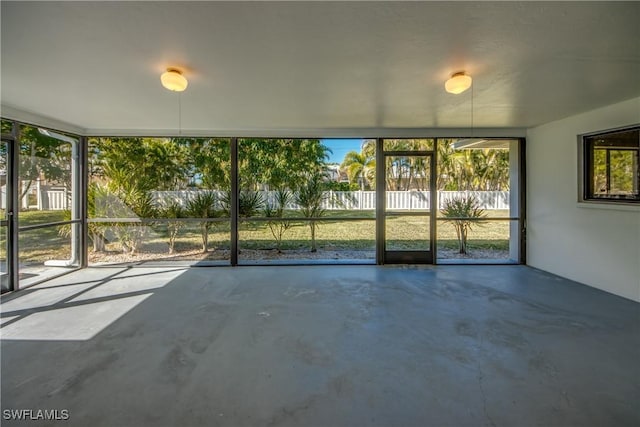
[322,346]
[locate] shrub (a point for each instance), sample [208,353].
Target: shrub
[139,204]
[278,225]
[461,213]
[249,203]
[172,211]
[203,206]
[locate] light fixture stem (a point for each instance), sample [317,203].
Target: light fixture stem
[180,113]
[472,133]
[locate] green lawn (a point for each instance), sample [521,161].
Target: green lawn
[26,218]
[37,246]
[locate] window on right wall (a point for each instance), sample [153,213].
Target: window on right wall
[610,166]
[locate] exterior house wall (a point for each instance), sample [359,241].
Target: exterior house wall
[598,245]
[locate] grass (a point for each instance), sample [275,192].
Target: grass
[38,246]
[26,218]
[404,232]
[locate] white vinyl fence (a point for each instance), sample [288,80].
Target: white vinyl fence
[59,199]
[56,200]
[42,198]
[362,200]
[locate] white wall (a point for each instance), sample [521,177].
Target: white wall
[596,246]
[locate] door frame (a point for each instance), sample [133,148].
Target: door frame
[403,257]
[10,221]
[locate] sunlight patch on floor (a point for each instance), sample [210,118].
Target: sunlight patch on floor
[80,322]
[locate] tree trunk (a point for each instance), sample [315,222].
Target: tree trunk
[463,240]
[172,243]
[172,237]
[205,237]
[313,237]
[279,238]
[461,248]
[98,242]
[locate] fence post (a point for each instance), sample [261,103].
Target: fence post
[38,195]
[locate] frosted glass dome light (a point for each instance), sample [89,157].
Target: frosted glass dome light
[173,80]
[458,83]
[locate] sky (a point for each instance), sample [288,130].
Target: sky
[340,147]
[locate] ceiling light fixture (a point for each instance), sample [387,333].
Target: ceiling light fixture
[173,80]
[458,83]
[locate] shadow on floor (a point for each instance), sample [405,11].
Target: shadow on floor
[317,346]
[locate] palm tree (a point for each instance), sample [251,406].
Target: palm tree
[173,212]
[445,166]
[462,213]
[203,206]
[96,231]
[360,168]
[278,225]
[310,198]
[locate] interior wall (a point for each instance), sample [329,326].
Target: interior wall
[598,246]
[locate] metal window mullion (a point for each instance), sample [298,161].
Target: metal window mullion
[136,220]
[499,218]
[434,203]
[48,224]
[608,170]
[313,219]
[522,199]
[12,202]
[380,201]
[76,182]
[83,202]
[636,172]
[408,153]
[235,207]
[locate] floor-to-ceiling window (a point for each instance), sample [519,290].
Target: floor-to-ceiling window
[478,183]
[306,199]
[159,199]
[47,195]
[298,201]
[349,233]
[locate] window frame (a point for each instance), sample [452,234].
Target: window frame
[586,169]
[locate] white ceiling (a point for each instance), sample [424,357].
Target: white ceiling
[315,67]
